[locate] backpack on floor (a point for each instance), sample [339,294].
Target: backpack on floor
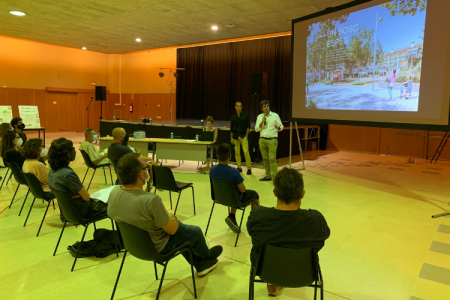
[104,244]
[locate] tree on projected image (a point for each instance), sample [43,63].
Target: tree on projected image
[405,7]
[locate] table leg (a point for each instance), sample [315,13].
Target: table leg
[306,138]
[43,130]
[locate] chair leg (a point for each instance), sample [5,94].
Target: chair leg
[156,271]
[192,272]
[210,215]
[29,212]
[240,225]
[118,275]
[57,244]
[82,239]
[53,201]
[115,243]
[10,176]
[95,228]
[91,179]
[6,175]
[179,195]
[12,200]
[110,173]
[25,200]
[193,198]
[43,219]
[85,175]
[170,197]
[315,290]
[104,174]
[162,279]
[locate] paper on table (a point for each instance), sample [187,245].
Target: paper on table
[103,194]
[190,140]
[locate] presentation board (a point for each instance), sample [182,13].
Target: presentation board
[30,116]
[373,63]
[5,114]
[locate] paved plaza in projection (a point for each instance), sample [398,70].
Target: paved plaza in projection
[360,98]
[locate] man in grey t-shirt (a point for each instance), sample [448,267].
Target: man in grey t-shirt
[130,204]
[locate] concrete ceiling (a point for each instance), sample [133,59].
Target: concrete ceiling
[111,26]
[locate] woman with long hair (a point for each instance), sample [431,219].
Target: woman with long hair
[9,148]
[63,179]
[209,127]
[4,128]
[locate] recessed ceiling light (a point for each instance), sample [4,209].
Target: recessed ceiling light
[214,27]
[17,13]
[138,40]
[84,48]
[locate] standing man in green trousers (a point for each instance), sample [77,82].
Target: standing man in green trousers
[268,123]
[239,130]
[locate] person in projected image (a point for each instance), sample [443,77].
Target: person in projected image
[391,82]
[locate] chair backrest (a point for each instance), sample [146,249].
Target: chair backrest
[138,242]
[87,159]
[288,267]
[17,173]
[35,186]
[163,179]
[224,192]
[68,208]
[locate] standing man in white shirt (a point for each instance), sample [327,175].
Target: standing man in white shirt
[268,123]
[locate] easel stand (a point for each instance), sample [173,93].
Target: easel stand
[436,155]
[299,146]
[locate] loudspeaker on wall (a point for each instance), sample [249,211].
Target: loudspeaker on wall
[259,83]
[100,93]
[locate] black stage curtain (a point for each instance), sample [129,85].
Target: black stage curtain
[218,75]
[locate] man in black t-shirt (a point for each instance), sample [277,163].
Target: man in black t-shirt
[286,225]
[116,150]
[18,127]
[239,130]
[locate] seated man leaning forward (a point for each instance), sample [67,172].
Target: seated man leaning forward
[63,179]
[286,225]
[224,171]
[130,204]
[97,157]
[116,150]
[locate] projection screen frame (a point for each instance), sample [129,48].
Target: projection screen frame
[411,126]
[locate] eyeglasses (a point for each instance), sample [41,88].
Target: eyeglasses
[146,168]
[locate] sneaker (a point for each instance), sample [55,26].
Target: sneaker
[240,170]
[231,222]
[265,179]
[273,290]
[249,171]
[207,267]
[215,252]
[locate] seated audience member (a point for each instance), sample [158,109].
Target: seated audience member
[32,150]
[96,157]
[116,150]
[62,178]
[9,148]
[130,204]
[286,225]
[224,171]
[209,127]
[18,126]
[4,127]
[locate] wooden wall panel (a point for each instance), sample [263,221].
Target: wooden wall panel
[3,100]
[13,98]
[73,112]
[403,142]
[337,137]
[64,111]
[40,100]
[52,112]
[355,138]
[26,97]
[371,139]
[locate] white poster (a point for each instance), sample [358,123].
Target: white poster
[5,114]
[30,116]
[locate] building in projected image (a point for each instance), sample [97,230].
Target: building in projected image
[405,58]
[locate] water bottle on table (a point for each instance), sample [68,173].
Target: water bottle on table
[171,135]
[196,137]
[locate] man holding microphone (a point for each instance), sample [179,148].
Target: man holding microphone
[268,123]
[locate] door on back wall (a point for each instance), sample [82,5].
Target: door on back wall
[62,111]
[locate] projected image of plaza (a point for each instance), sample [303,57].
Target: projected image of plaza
[368,60]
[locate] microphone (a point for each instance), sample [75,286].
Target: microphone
[92,97]
[265,121]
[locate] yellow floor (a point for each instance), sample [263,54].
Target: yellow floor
[383,244]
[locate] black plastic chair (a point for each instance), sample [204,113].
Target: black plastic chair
[18,175]
[70,212]
[6,175]
[37,191]
[287,267]
[89,164]
[223,192]
[163,180]
[138,242]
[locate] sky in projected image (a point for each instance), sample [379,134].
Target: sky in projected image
[343,52]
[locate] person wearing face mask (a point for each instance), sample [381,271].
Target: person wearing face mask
[62,178]
[96,156]
[116,150]
[209,127]
[18,127]
[9,148]
[130,204]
